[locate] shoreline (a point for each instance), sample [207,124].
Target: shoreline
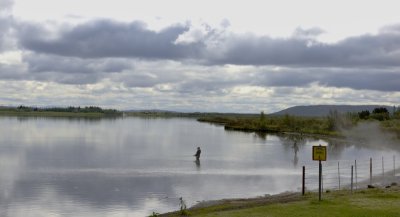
[242,203]
[223,205]
[57,114]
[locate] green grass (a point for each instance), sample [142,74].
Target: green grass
[365,203]
[351,208]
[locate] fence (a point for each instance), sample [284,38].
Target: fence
[350,174]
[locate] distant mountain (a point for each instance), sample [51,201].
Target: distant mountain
[150,111]
[323,110]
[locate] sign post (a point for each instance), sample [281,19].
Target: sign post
[319,154]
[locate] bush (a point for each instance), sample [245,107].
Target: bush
[364,114]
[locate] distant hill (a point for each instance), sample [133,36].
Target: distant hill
[150,111]
[323,110]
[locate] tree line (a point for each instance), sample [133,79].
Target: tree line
[86,109]
[380,114]
[332,124]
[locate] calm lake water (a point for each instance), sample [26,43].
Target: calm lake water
[134,166]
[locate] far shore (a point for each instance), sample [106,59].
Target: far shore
[52,114]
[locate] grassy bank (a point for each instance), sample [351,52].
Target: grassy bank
[275,124]
[171,114]
[332,125]
[366,203]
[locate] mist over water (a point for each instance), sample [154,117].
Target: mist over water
[370,134]
[134,166]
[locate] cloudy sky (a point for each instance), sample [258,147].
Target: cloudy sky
[185,55]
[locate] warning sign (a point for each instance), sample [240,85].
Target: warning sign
[319,153]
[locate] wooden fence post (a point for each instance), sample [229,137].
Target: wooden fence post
[370,171]
[351,184]
[303,189]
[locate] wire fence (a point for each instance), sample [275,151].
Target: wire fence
[351,174]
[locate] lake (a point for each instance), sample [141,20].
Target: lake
[134,166]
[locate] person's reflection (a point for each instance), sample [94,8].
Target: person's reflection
[295,149]
[197,162]
[261,135]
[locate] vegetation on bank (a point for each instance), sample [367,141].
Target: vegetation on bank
[161,114]
[330,125]
[273,124]
[172,114]
[88,112]
[366,203]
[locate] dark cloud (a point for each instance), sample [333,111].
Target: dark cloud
[44,63]
[360,79]
[67,70]
[12,72]
[17,73]
[6,5]
[105,38]
[6,22]
[90,52]
[140,80]
[365,80]
[209,86]
[393,29]
[3,30]
[50,63]
[380,50]
[64,78]
[307,33]
[149,74]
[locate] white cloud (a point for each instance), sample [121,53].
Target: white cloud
[11,57]
[193,35]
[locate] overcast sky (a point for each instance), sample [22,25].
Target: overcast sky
[184,55]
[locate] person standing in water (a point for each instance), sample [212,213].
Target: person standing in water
[197,155]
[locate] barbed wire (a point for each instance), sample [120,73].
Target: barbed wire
[337,174]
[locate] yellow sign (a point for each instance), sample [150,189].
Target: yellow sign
[319,153]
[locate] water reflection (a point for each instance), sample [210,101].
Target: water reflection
[133,166]
[197,162]
[294,142]
[79,119]
[261,135]
[295,149]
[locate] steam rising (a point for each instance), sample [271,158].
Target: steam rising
[370,134]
